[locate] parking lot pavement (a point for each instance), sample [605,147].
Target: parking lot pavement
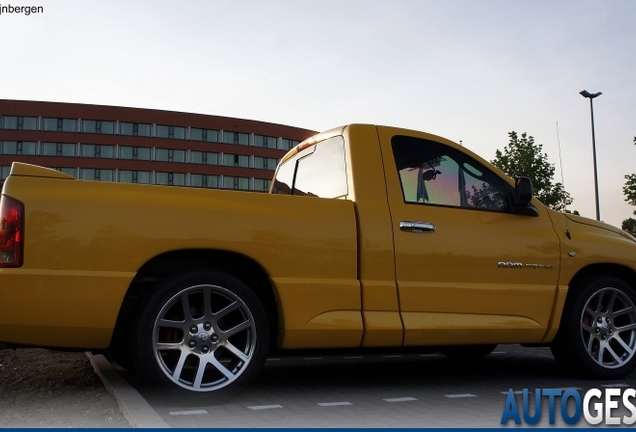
[378,389]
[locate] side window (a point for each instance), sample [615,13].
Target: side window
[319,170]
[433,173]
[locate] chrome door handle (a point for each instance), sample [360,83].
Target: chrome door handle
[417,227]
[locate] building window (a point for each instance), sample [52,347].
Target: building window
[69,171]
[261,185]
[208,135]
[18,148]
[265,163]
[236,138]
[231,182]
[134,129]
[134,153]
[170,179]
[174,132]
[288,144]
[242,161]
[204,181]
[4,172]
[169,155]
[97,151]
[243,183]
[58,149]
[196,157]
[96,174]
[205,158]
[59,125]
[126,176]
[162,178]
[19,123]
[98,127]
[265,141]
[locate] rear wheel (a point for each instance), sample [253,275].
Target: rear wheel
[201,333]
[597,336]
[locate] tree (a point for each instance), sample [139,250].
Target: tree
[629,189]
[523,157]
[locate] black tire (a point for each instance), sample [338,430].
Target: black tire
[121,356]
[467,352]
[202,333]
[597,335]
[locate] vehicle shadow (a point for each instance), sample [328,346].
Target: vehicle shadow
[409,369]
[346,373]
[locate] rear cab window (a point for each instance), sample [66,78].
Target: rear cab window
[318,170]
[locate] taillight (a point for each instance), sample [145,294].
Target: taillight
[11,232]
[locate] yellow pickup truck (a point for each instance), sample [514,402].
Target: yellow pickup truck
[371,236]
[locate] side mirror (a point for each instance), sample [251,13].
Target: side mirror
[523,197]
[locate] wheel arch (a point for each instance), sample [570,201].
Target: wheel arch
[587,333]
[624,273]
[577,282]
[170,263]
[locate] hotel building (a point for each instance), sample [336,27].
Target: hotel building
[134,145]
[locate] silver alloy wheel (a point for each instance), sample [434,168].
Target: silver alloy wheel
[608,328]
[204,337]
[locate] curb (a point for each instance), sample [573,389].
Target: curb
[134,407]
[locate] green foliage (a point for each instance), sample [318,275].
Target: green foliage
[629,225]
[523,157]
[629,190]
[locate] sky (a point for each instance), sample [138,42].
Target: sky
[470,71]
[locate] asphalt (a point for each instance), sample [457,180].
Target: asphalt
[370,389]
[132,405]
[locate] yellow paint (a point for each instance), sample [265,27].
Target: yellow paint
[75,309]
[342,272]
[333,329]
[457,329]
[382,329]
[23,169]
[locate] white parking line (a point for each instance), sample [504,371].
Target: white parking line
[498,352]
[185,413]
[517,392]
[614,385]
[263,407]
[460,395]
[400,399]
[330,404]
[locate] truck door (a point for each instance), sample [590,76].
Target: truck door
[468,269]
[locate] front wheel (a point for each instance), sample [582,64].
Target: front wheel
[201,333]
[597,336]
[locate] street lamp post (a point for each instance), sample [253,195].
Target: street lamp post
[591,97]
